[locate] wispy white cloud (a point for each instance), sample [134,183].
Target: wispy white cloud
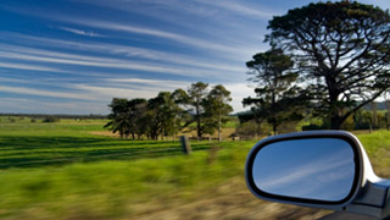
[46,93]
[80,32]
[22,66]
[121,50]
[20,105]
[236,50]
[167,84]
[121,92]
[12,80]
[180,38]
[254,11]
[92,61]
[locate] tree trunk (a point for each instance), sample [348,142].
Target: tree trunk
[219,130]
[198,128]
[275,128]
[335,111]
[335,122]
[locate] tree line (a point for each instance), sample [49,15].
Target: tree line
[169,113]
[326,60]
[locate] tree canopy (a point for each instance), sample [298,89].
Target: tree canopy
[276,94]
[341,49]
[171,112]
[217,108]
[197,93]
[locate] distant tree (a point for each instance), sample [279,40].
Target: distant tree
[183,117]
[251,129]
[197,94]
[363,119]
[50,119]
[180,97]
[217,107]
[343,52]
[374,112]
[387,103]
[252,116]
[164,115]
[170,111]
[119,117]
[277,97]
[135,112]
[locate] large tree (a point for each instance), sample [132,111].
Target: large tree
[277,97]
[343,52]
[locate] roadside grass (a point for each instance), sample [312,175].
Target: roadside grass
[108,189]
[97,177]
[112,187]
[377,145]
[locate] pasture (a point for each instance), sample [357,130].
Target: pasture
[63,171]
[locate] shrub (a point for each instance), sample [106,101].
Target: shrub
[50,119]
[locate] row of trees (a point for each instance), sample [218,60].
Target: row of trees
[172,112]
[326,60]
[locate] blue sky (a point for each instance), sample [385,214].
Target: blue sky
[74,56]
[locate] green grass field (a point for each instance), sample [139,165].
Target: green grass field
[62,171]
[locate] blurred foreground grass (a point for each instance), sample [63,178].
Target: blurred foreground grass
[61,171]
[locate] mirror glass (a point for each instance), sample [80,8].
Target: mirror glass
[317,168]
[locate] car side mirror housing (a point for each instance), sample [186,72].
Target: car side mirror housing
[321,169]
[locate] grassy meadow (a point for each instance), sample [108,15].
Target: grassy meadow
[64,170]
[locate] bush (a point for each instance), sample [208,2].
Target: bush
[50,119]
[251,129]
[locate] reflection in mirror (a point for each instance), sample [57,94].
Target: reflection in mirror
[317,168]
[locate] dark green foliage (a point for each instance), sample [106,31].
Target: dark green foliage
[125,116]
[50,119]
[217,109]
[278,99]
[197,93]
[169,113]
[163,115]
[342,50]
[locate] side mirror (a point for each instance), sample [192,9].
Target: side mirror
[326,169]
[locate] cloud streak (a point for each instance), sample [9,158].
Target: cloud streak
[120,50]
[80,32]
[182,39]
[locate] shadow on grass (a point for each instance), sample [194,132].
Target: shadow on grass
[25,152]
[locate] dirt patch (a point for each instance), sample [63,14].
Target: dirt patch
[104,133]
[231,201]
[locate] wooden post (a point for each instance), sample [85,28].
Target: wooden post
[185,144]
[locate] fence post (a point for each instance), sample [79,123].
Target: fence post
[185,144]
